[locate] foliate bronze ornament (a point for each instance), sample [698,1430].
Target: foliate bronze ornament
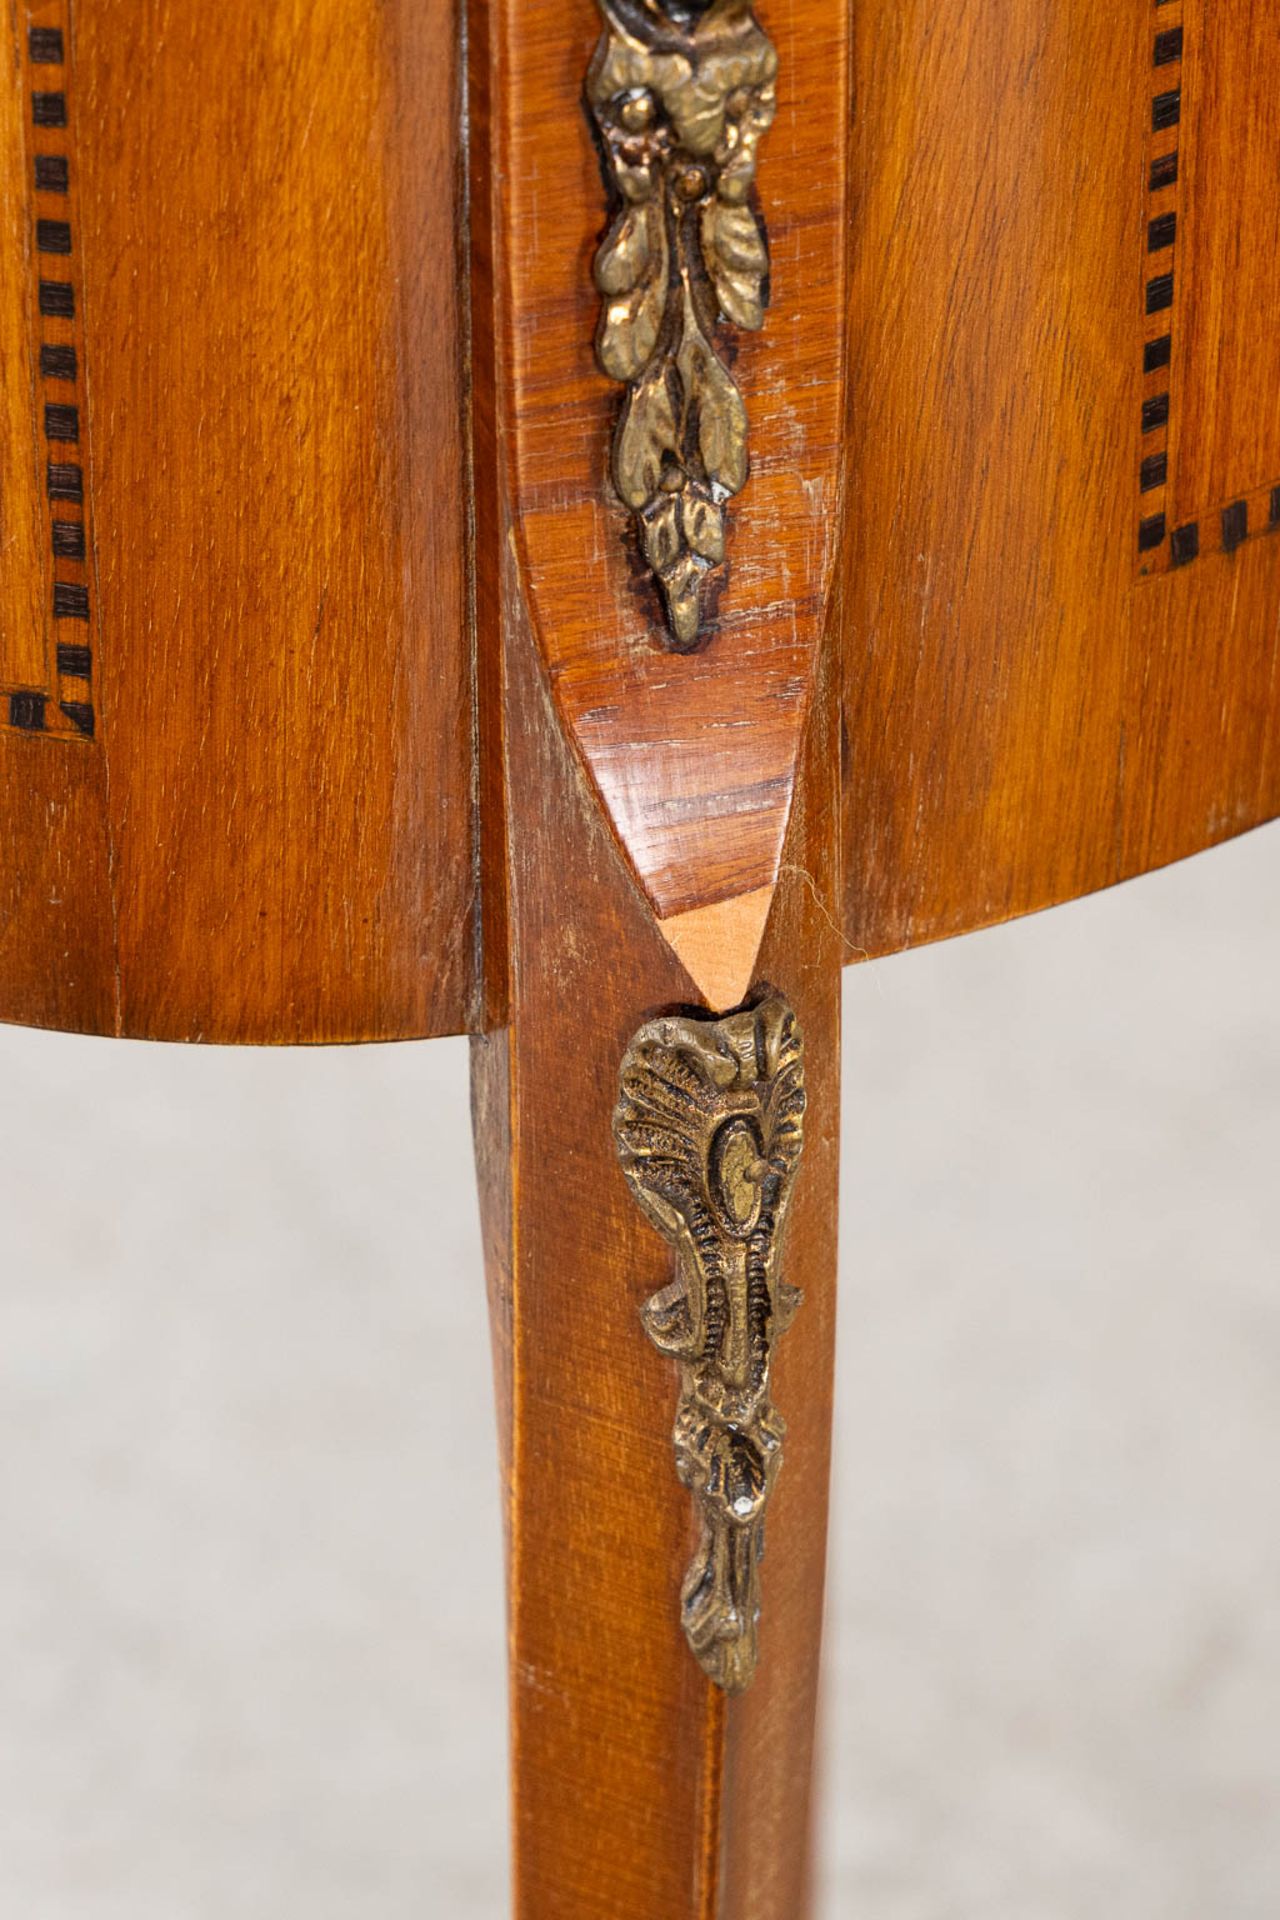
[682,96]
[709,1127]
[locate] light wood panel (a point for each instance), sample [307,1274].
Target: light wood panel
[632,869]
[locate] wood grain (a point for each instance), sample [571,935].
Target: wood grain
[699,816]
[281,840]
[1226,367]
[638,1790]
[1027,718]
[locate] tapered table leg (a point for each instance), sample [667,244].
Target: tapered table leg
[642,1790]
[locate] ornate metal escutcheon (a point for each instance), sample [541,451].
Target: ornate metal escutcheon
[681,95]
[709,1128]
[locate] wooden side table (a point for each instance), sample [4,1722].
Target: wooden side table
[570,522]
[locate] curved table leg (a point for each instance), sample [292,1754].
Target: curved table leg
[642,1790]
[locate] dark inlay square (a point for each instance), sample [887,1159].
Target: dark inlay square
[77,661]
[1161,232]
[1275,507]
[80,714]
[64,482]
[70,602]
[68,539]
[1156,353]
[1235,524]
[1168,47]
[58,299]
[1184,543]
[1164,171]
[61,423]
[1166,110]
[53,236]
[1160,293]
[58,363]
[26,710]
[1154,471]
[1155,412]
[1150,532]
[49,109]
[51,172]
[44,44]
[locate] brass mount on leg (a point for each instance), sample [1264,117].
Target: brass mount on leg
[709,1128]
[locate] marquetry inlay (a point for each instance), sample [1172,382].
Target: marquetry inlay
[46,612]
[1209,467]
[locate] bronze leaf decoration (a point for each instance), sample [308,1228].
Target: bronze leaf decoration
[682,97]
[709,1128]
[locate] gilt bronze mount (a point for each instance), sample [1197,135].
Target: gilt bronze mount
[681,97]
[709,1128]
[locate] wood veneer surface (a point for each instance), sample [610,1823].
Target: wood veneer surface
[1033,706]
[692,756]
[269,836]
[639,1789]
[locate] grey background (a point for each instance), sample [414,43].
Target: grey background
[250,1613]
